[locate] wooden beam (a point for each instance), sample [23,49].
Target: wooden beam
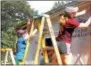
[45,54]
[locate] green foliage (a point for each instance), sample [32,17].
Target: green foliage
[59,4]
[12,13]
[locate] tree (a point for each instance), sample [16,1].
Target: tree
[13,12]
[60,4]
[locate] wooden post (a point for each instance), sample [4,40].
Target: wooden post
[6,56]
[12,57]
[44,51]
[79,59]
[39,41]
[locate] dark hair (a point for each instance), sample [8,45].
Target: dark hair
[20,26]
[65,14]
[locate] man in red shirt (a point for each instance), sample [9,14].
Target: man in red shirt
[67,26]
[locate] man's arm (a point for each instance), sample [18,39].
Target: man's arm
[80,13]
[29,22]
[31,35]
[86,24]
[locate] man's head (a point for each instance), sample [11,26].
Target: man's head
[71,11]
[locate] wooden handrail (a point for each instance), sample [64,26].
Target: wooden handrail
[5,49]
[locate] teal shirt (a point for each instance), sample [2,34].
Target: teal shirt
[21,45]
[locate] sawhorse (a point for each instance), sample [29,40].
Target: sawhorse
[8,50]
[40,40]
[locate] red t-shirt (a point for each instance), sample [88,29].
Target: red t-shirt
[65,35]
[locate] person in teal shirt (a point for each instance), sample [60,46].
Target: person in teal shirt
[21,45]
[23,34]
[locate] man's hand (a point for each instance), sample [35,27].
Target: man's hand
[62,20]
[28,21]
